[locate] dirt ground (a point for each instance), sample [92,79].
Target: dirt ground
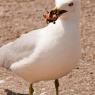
[21,16]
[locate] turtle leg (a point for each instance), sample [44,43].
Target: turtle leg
[57,86]
[31,90]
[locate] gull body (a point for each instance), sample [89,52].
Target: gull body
[48,53]
[43,54]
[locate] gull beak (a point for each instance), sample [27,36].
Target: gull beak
[62,12]
[57,11]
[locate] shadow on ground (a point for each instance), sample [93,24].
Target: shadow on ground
[9,92]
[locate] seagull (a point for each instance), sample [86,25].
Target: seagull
[48,53]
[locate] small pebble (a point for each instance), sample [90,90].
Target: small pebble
[44,93]
[2,81]
[91,73]
[77,67]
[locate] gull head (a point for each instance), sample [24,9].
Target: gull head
[71,7]
[65,9]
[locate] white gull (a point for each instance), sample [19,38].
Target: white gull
[48,53]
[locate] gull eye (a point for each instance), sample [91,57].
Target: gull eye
[71,4]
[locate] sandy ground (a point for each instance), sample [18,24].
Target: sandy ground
[20,16]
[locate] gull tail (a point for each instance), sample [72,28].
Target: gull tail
[4,52]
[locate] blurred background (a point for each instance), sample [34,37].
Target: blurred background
[21,16]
